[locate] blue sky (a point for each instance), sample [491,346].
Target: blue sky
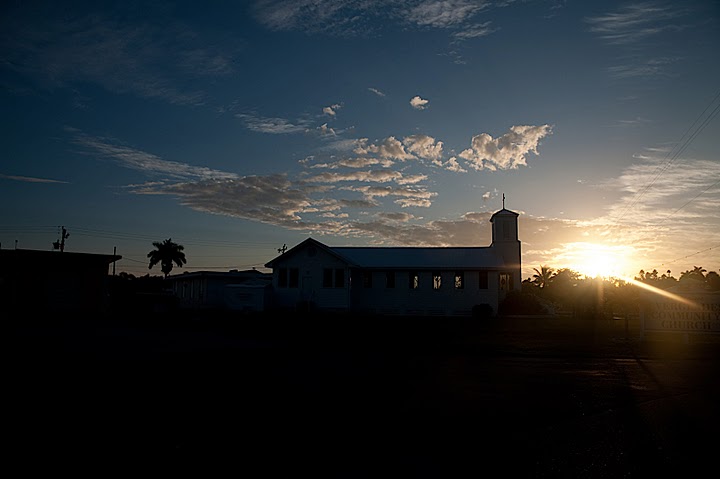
[236,127]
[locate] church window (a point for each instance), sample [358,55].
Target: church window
[414,280]
[459,280]
[437,280]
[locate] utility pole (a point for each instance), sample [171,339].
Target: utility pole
[114,254]
[61,244]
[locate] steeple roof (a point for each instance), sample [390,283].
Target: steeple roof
[504,212]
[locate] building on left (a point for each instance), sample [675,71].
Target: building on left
[36,281]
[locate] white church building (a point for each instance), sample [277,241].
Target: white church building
[407,281]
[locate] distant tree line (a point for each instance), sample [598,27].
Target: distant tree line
[552,290]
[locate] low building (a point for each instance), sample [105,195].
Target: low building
[409,281]
[36,281]
[246,291]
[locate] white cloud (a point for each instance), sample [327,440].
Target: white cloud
[332,109]
[451,165]
[418,103]
[391,147]
[376,91]
[325,130]
[423,146]
[507,151]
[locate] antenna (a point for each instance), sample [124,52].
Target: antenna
[283,249]
[503,200]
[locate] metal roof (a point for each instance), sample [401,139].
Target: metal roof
[420,257]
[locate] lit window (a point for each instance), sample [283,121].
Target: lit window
[414,280]
[437,280]
[506,283]
[459,280]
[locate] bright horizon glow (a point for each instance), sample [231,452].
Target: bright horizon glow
[661,292]
[596,260]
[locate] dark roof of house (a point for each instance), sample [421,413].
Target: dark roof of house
[56,257]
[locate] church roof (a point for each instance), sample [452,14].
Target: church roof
[405,257]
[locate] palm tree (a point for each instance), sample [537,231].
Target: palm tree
[167,253]
[698,273]
[542,276]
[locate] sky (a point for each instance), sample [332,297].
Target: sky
[237,128]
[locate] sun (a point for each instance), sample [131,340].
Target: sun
[594,260]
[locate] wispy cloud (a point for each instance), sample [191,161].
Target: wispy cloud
[631,28]
[507,151]
[145,162]
[273,125]
[376,91]
[123,56]
[475,31]
[635,22]
[29,179]
[642,68]
[368,17]
[336,17]
[443,13]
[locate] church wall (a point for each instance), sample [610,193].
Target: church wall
[425,300]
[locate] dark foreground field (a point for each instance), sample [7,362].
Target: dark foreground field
[361,397]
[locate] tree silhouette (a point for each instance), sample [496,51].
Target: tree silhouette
[698,273]
[542,276]
[167,253]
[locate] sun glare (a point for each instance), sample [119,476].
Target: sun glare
[596,260]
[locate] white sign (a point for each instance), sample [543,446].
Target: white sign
[687,313]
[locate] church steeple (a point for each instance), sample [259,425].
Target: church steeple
[507,246]
[504,225]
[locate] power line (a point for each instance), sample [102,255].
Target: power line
[690,255]
[660,169]
[683,206]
